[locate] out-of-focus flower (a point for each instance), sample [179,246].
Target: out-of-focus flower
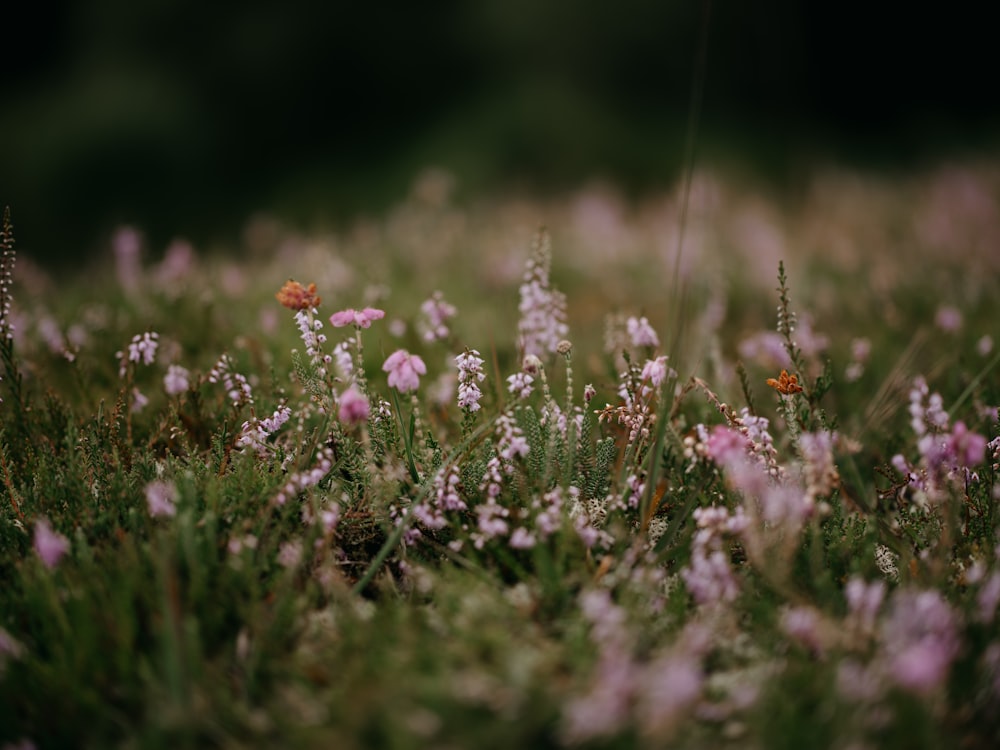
[50,545]
[359,318]
[404,370]
[948,319]
[354,407]
[160,499]
[641,333]
[176,381]
[436,314]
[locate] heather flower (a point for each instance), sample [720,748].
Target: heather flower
[725,445]
[864,601]
[470,373]
[255,432]
[7,259]
[802,624]
[177,380]
[820,472]
[300,481]
[10,648]
[520,384]
[984,346]
[404,370]
[436,314]
[354,407]
[543,309]
[160,498]
[948,319]
[294,296]
[178,262]
[641,333]
[359,318]
[309,332]
[655,371]
[50,546]
[290,554]
[127,246]
[142,349]
[669,687]
[522,539]
[139,401]
[767,348]
[237,388]
[920,638]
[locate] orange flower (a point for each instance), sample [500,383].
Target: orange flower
[294,296]
[785,384]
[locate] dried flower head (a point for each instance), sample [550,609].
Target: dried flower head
[294,296]
[785,384]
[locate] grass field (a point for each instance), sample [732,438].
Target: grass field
[704,470]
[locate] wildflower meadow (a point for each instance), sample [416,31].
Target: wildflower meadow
[714,468]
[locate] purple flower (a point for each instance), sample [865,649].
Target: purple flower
[404,370]
[354,407]
[177,380]
[725,445]
[921,639]
[50,545]
[967,448]
[948,319]
[655,371]
[470,370]
[641,333]
[160,498]
[360,318]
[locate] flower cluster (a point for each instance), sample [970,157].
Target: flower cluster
[294,296]
[142,349]
[436,314]
[237,388]
[470,374]
[358,318]
[404,370]
[543,308]
[301,481]
[254,433]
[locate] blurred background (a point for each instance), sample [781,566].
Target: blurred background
[185,118]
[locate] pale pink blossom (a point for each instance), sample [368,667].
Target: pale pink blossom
[404,370]
[641,333]
[50,546]
[360,318]
[160,499]
[354,407]
[177,380]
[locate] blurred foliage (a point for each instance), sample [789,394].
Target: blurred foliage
[183,117]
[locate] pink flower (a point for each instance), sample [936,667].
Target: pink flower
[160,498]
[360,318]
[354,407]
[50,545]
[404,370]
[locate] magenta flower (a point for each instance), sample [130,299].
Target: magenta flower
[360,318]
[354,407]
[404,370]
[50,545]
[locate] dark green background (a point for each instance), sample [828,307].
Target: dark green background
[185,117]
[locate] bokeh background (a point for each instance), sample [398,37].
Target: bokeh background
[185,118]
